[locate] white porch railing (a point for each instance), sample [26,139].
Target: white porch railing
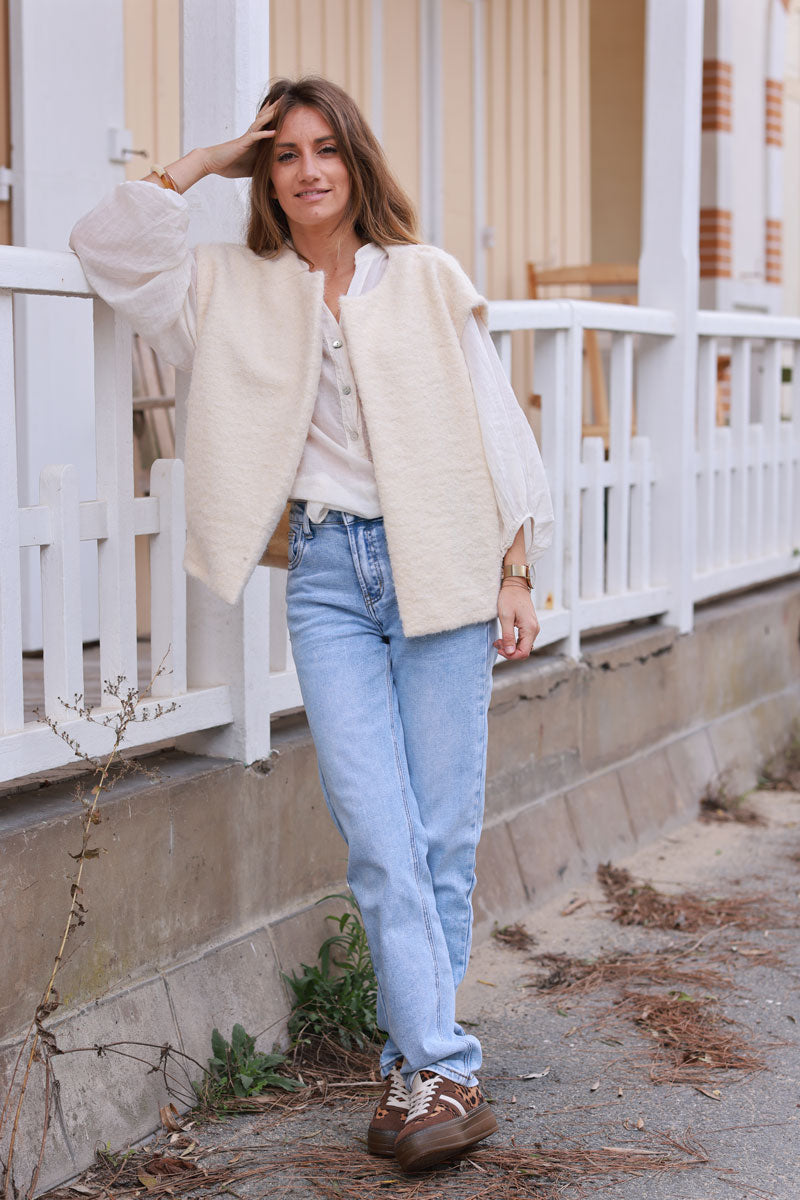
[604,568]
[748,505]
[59,523]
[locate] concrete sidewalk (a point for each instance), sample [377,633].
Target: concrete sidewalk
[591,1067]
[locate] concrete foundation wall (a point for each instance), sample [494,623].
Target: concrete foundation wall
[207,885]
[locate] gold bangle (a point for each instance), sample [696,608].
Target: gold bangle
[518,571]
[166,179]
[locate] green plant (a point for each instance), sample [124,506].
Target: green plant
[115,1159]
[336,999]
[237,1069]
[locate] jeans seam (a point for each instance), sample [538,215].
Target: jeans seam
[414,857]
[481,765]
[362,583]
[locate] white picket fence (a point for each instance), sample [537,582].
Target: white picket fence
[606,567]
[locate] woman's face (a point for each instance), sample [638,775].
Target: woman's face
[308,177]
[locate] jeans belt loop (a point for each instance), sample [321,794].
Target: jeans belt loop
[306,522]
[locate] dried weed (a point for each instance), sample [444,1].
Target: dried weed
[488,1173]
[692,1038]
[577,976]
[516,937]
[718,804]
[635,902]
[782,771]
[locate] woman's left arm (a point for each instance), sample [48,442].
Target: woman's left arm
[512,456]
[519,480]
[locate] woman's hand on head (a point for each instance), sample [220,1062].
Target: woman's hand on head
[515,608]
[236,159]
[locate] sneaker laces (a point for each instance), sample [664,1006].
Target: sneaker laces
[421,1096]
[398,1092]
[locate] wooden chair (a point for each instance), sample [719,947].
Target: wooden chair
[592,275]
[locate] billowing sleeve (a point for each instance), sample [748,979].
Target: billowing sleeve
[513,458]
[134,252]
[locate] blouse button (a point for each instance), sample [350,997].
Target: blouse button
[346,390]
[337,345]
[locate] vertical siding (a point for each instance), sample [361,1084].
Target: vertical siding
[152,81]
[537,192]
[457,119]
[538,137]
[401,84]
[325,37]
[617,96]
[536,213]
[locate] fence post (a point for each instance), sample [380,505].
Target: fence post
[61,591]
[168,581]
[116,572]
[225,66]
[668,278]
[11,705]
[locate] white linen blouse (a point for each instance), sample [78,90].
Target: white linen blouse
[133,247]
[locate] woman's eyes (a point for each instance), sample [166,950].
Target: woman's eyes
[327,150]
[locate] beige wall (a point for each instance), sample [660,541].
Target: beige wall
[152,81]
[330,37]
[617,84]
[537,145]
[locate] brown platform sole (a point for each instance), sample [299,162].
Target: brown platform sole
[381,1142]
[437,1143]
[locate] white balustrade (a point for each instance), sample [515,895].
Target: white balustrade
[746,470]
[599,571]
[227,670]
[58,524]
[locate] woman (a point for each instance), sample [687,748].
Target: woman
[338,364]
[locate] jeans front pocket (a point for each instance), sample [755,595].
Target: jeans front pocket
[297,542]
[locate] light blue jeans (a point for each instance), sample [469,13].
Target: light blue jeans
[399,725]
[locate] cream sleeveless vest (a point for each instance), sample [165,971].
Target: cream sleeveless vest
[252,395]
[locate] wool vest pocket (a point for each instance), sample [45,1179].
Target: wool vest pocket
[277,551]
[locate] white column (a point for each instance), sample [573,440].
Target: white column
[773,151]
[225,55]
[717,216]
[668,278]
[67,94]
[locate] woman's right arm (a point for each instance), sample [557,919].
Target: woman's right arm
[133,246]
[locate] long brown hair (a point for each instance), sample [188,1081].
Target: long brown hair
[378,209]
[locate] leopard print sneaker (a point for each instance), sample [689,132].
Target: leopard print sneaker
[444,1119]
[390,1115]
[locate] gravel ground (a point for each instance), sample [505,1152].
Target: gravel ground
[592,1092]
